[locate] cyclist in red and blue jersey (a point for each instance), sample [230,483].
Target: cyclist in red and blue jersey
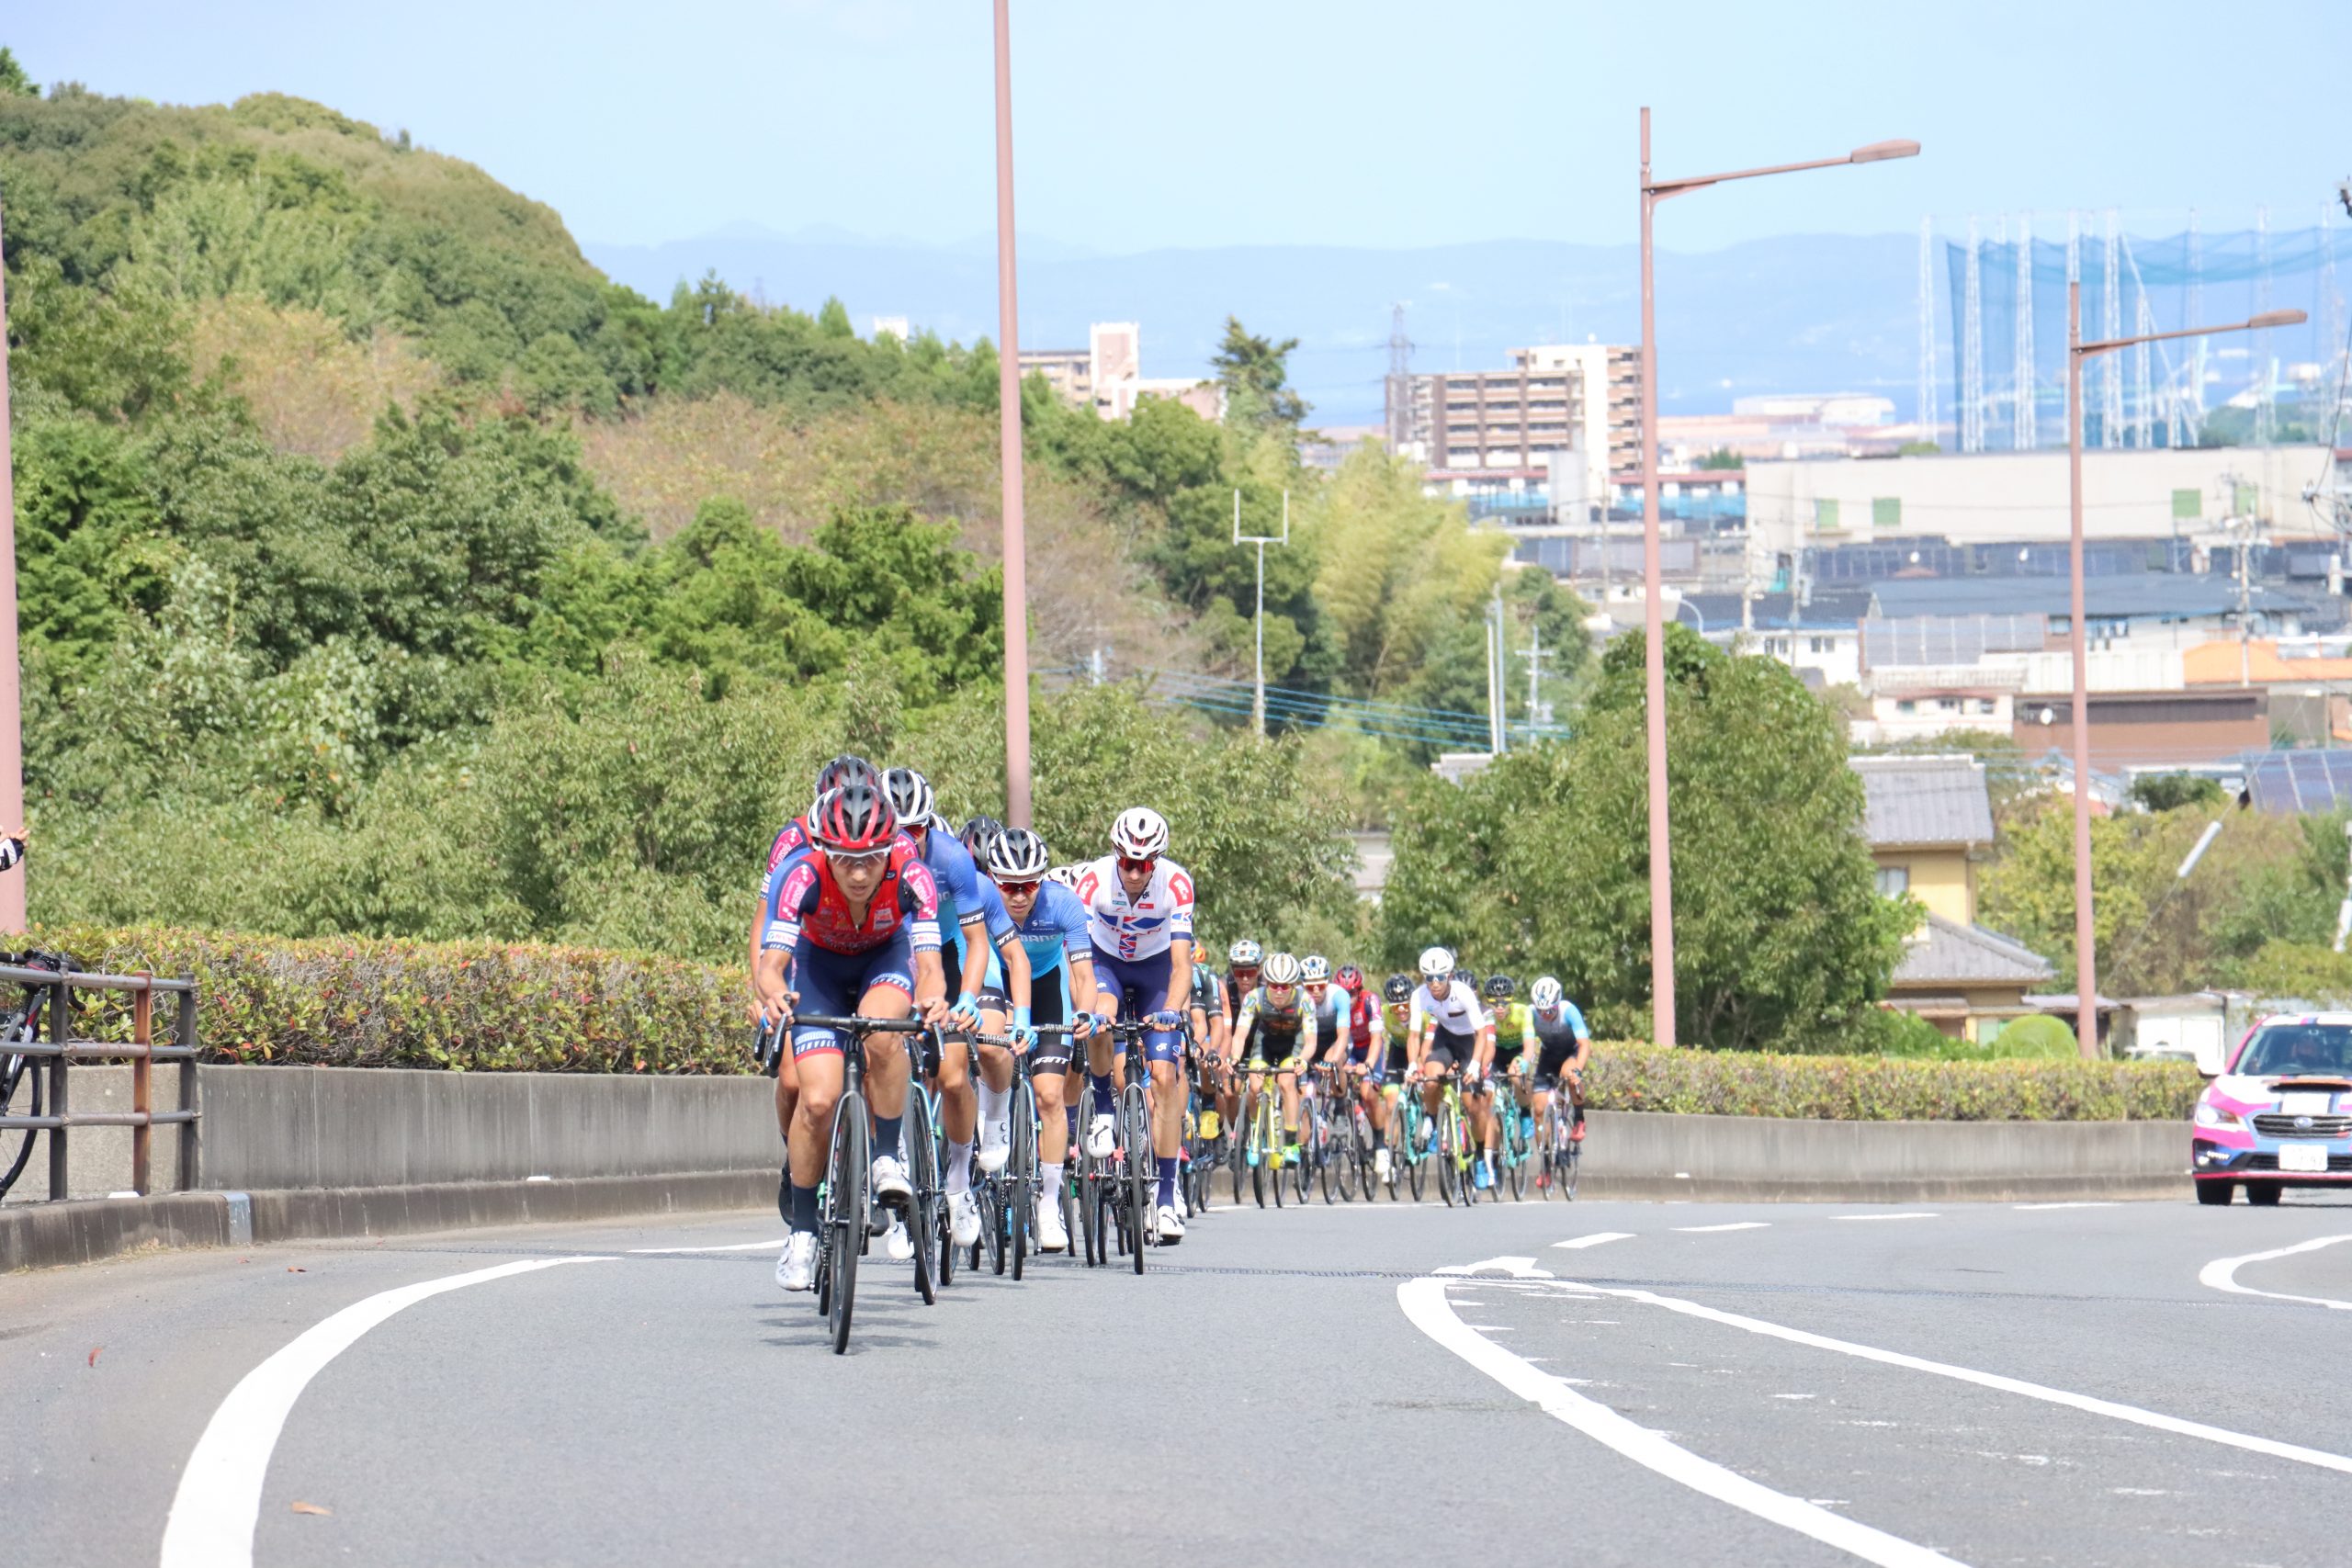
[1139,906]
[1052,927]
[966,961]
[853,927]
[1366,1057]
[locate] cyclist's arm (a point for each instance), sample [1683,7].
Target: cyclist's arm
[1241,1031]
[1527,1031]
[1304,1052]
[975,957]
[1017,977]
[1180,973]
[1082,998]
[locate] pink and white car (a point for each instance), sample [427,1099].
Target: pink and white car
[2280,1113]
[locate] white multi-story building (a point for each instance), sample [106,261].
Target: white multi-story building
[1107,375]
[1566,417]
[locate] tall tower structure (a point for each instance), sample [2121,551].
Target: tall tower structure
[2195,314]
[2025,434]
[2110,424]
[1972,356]
[1927,408]
[2265,418]
[1399,385]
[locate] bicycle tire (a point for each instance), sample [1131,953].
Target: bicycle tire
[1020,1173]
[1414,1155]
[1444,1142]
[923,1210]
[846,1235]
[20,1075]
[1143,1170]
[1515,1156]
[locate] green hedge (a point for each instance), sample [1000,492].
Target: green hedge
[1628,1076]
[466,1006]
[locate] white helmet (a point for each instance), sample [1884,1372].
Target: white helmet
[1545,995]
[1280,969]
[1017,855]
[911,796]
[1140,833]
[1437,964]
[1068,875]
[1245,954]
[1315,969]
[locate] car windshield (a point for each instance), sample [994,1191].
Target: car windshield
[2281,1049]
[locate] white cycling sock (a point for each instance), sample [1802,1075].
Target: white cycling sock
[959,1168]
[996,1105]
[1051,1176]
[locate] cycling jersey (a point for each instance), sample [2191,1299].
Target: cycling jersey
[1511,1024]
[1457,1012]
[1292,1022]
[1330,1012]
[1363,1009]
[960,901]
[1056,926]
[1141,926]
[1557,1038]
[807,901]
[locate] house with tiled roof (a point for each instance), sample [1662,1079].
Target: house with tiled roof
[1929,821]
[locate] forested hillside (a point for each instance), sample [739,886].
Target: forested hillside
[386,568]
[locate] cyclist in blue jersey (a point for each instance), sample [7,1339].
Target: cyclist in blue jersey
[1052,927]
[1556,1031]
[967,959]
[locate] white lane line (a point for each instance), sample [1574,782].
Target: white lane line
[1735,1225]
[1517,1268]
[736,1246]
[219,1501]
[2084,1401]
[1920,1214]
[2077,1204]
[1425,1304]
[1596,1238]
[2221,1273]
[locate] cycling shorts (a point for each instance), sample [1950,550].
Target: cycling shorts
[1552,1059]
[1372,1057]
[1133,986]
[836,984]
[1274,1048]
[1449,1049]
[1048,1005]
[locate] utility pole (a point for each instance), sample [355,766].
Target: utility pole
[12,756]
[1008,418]
[1535,657]
[1499,652]
[1258,701]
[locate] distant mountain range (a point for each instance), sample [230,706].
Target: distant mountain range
[1800,313]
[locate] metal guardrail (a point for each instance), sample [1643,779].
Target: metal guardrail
[141,1051]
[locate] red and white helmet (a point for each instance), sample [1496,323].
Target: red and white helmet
[853,819]
[1140,833]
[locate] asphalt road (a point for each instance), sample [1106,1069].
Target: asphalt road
[1757,1385]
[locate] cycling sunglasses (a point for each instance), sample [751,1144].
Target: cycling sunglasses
[1139,866]
[1018,889]
[865,859]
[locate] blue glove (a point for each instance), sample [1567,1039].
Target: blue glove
[1165,1019]
[1024,1033]
[966,1013]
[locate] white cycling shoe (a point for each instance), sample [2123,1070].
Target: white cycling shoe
[1051,1234]
[891,1188]
[797,1270]
[897,1244]
[1380,1162]
[964,1218]
[1172,1225]
[995,1147]
[1102,1135]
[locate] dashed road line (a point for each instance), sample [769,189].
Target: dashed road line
[1595,1240]
[1735,1225]
[1920,1214]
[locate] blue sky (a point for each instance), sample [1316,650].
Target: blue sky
[1148,123]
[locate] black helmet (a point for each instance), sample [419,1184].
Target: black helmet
[1466,977]
[1501,988]
[978,834]
[845,769]
[1397,989]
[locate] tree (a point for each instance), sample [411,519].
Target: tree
[2169,792]
[1255,374]
[14,83]
[1722,459]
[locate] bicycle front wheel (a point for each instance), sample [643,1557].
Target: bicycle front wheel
[21,1095]
[924,1218]
[1142,1176]
[845,1236]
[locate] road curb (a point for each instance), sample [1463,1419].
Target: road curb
[49,1235]
[1892,1190]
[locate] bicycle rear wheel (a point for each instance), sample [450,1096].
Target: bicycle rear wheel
[1447,1146]
[21,1095]
[1021,1169]
[1143,1169]
[1515,1155]
[923,1217]
[846,1235]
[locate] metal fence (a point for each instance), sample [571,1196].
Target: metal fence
[61,1050]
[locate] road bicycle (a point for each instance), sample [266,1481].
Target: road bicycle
[845,1212]
[1515,1135]
[1315,1135]
[1008,1201]
[22,1092]
[1359,1167]
[1261,1148]
[1558,1148]
[1116,1199]
[1449,1145]
[1408,1135]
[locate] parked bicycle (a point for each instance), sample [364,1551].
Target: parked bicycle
[22,1090]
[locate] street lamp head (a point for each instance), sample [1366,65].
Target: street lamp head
[1880,151]
[2277,319]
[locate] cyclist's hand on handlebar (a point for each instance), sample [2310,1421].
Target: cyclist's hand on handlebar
[933,1011]
[1022,1035]
[1164,1019]
[966,1013]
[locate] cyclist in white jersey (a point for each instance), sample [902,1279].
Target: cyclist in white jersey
[1140,918]
[1447,1028]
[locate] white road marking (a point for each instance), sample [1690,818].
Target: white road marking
[1735,1225]
[737,1246]
[213,1514]
[1517,1268]
[2073,1205]
[2221,1274]
[2319,1458]
[1596,1238]
[1921,1214]
[1425,1304]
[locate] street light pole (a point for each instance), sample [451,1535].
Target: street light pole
[2085,939]
[12,759]
[1258,698]
[1654,602]
[1008,396]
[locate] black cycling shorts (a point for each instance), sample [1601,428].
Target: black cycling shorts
[1052,1051]
[1553,1058]
[1448,1049]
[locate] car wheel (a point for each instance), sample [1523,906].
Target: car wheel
[2215,1192]
[2265,1193]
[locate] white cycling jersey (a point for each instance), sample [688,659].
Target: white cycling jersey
[1457,1014]
[1140,927]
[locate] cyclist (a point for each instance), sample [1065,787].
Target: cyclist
[853,927]
[1556,1031]
[1052,927]
[1366,1059]
[1395,1024]
[1448,1030]
[1242,961]
[1276,1031]
[967,961]
[1506,1069]
[1139,907]
[1331,1020]
[1209,1038]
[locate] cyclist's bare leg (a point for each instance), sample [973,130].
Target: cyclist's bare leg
[1052,1127]
[1289,1084]
[887,1068]
[959,1105]
[787,1086]
[812,1123]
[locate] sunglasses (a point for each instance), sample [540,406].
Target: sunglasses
[1137,865]
[1018,889]
[1281,991]
[867,860]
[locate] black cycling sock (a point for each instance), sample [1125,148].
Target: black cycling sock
[802,1216]
[784,1194]
[886,1136]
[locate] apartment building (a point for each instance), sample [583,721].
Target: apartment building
[1107,375]
[1480,430]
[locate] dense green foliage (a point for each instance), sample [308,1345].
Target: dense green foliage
[1540,865]
[1627,1077]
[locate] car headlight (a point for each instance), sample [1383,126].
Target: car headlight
[2214,1116]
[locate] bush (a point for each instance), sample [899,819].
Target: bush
[1636,1076]
[465,1005]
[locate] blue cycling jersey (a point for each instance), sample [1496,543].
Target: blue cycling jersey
[1057,925]
[959,884]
